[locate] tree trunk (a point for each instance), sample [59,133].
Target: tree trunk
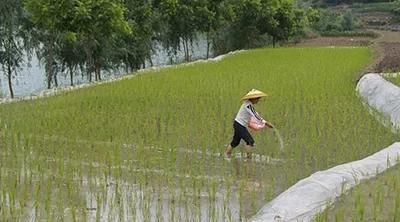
[184,49]
[208,45]
[89,61]
[49,78]
[97,71]
[9,75]
[71,74]
[187,55]
[55,79]
[128,67]
[49,63]
[273,41]
[96,76]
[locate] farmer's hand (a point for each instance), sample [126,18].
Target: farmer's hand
[269,125]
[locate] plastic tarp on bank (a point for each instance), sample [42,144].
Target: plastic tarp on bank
[381,95]
[310,196]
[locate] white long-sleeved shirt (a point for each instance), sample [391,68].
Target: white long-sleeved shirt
[245,112]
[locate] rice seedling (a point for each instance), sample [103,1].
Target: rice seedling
[395,79]
[375,200]
[148,148]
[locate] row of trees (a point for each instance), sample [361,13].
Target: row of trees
[95,35]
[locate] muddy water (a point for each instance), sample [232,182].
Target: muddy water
[145,184]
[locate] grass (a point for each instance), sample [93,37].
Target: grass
[148,147]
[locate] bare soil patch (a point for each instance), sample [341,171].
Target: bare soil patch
[390,61]
[387,53]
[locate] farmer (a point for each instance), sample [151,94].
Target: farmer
[246,112]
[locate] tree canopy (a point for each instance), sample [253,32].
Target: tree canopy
[96,35]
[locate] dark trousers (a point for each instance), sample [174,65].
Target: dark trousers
[241,132]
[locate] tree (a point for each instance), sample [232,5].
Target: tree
[11,39]
[180,19]
[248,21]
[136,48]
[92,24]
[254,23]
[285,18]
[98,24]
[49,18]
[70,54]
[209,20]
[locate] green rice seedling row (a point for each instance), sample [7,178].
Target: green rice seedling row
[394,79]
[149,148]
[374,200]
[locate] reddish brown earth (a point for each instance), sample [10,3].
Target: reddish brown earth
[390,59]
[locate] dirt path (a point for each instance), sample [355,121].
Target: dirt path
[387,52]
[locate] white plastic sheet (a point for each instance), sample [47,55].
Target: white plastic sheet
[381,95]
[310,196]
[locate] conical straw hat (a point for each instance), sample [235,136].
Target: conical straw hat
[254,93]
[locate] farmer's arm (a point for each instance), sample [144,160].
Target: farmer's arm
[253,112]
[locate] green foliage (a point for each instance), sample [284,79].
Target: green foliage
[396,7]
[244,24]
[285,18]
[91,24]
[256,23]
[330,22]
[230,24]
[136,48]
[182,20]
[70,37]
[96,35]
[98,17]
[51,20]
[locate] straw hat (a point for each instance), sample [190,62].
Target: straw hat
[254,93]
